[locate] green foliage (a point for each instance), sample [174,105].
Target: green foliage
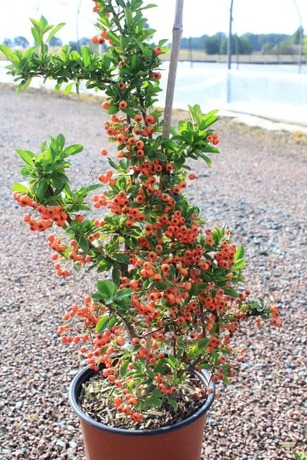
[41,28]
[299,456]
[46,171]
[247,43]
[109,294]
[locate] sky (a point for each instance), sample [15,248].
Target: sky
[200,17]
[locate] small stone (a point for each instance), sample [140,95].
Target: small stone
[212,422]
[19,404]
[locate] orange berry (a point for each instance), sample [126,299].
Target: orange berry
[165,267]
[120,341]
[138,117]
[188,286]
[123,105]
[134,284]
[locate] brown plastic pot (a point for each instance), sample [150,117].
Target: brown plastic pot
[182,441]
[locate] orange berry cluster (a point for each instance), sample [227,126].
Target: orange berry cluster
[117,129]
[57,246]
[103,37]
[48,214]
[225,257]
[71,252]
[275,320]
[213,138]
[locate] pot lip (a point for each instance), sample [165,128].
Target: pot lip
[84,374]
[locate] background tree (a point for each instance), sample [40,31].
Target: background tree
[55,41]
[216,44]
[21,42]
[8,42]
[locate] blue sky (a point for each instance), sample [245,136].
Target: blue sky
[200,16]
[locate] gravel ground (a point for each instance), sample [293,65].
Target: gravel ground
[257,186]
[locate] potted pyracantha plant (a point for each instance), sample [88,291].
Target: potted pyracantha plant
[157,332]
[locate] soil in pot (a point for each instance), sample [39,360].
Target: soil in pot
[97,395]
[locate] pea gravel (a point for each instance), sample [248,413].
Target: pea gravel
[257,187]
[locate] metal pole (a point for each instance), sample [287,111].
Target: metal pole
[229,37]
[301,36]
[190,52]
[77,26]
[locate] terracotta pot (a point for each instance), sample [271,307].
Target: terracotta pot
[182,441]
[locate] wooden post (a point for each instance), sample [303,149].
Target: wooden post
[170,89]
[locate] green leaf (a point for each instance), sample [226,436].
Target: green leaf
[208,148]
[121,258]
[160,156]
[27,156]
[239,264]
[202,343]
[123,368]
[128,16]
[172,402]
[151,401]
[104,265]
[68,88]
[24,85]
[105,62]
[196,113]
[123,294]
[113,109]
[42,188]
[116,274]
[231,292]
[140,45]
[72,150]
[112,321]
[60,141]
[83,243]
[210,118]
[36,36]
[86,56]
[54,31]
[7,52]
[26,172]
[102,323]
[113,37]
[172,361]
[207,159]
[134,62]
[161,286]
[239,253]
[43,23]
[18,187]
[172,272]
[106,289]
[83,191]
[122,3]
[150,5]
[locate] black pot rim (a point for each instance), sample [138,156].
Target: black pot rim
[84,374]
